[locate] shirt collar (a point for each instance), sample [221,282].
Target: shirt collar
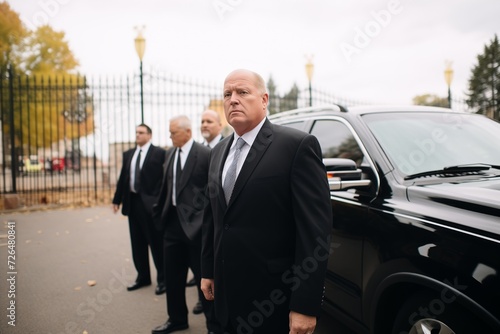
[187,146]
[214,141]
[144,148]
[250,136]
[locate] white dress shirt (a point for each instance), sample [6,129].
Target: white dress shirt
[249,138]
[144,150]
[214,141]
[185,149]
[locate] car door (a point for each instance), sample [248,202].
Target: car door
[343,285]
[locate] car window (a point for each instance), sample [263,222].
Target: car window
[337,140]
[295,125]
[419,142]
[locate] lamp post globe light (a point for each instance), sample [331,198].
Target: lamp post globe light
[140,47]
[309,73]
[448,77]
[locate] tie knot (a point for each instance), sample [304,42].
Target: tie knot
[239,143]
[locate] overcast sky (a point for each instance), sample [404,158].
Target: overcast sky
[378,50]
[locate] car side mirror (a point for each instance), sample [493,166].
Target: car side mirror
[343,174]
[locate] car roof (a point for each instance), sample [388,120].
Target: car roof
[332,109]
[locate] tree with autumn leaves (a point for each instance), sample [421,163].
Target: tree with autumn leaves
[42,94]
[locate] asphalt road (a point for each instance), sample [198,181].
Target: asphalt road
[57,253]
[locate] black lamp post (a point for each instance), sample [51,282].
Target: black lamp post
[448,77]
[309,72]
[140,47]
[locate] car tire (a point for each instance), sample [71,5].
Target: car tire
[425,312]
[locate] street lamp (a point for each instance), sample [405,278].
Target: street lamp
[140,47]
[309,72]
[448,77]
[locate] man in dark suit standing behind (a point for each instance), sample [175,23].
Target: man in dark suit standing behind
[179,213]
[266,228]
[210,128]
[137,188]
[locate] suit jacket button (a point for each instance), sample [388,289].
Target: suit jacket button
[226,227]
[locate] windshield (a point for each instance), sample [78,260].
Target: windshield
[421,141]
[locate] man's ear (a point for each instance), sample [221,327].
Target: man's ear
[265,100]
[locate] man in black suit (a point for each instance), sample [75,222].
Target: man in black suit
[266,228]
[179,213]
[211,127]
[137,188]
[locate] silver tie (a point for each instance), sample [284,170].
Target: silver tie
[231,171]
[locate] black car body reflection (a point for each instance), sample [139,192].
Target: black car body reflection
[415,196]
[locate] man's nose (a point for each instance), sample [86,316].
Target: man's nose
[234,98]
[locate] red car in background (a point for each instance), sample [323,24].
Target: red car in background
[55,165]
[58,165]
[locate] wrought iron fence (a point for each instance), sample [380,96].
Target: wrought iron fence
[62,136]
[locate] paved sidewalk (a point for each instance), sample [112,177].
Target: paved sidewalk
[56,253]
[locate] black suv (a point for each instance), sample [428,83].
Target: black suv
[415,195]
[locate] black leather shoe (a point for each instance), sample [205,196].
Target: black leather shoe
[160,289]
[191,282]
[170,327]
[137,285]
[198,308]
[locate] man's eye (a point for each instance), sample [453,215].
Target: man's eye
[227,94]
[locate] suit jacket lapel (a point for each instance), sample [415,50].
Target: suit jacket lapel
[169,158]
[259,147]
[148,154]
[188,168]
[129,159]
[219,163]
[168,176]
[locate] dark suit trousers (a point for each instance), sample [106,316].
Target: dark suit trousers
[142,235]
[180,254]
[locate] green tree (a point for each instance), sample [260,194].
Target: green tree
[484,83]
[273,105]
[430,100]
[290,100]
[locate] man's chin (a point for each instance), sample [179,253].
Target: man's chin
[237,118]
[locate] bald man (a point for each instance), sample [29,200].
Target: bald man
[211,127]
[269,213]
